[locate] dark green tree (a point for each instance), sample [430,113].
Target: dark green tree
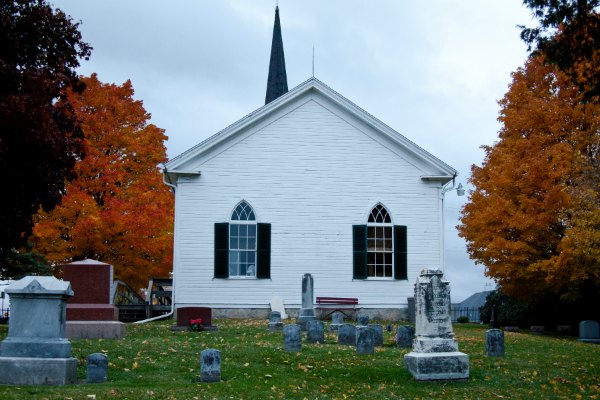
[40,140]
[568,36]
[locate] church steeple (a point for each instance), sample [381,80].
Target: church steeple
[277,81]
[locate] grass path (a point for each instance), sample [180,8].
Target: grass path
[153,362]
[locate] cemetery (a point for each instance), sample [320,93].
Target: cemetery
[275,358]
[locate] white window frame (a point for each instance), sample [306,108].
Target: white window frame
[389,251]
[233,249]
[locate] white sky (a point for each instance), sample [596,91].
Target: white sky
[432,70]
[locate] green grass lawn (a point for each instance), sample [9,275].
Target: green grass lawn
[153,362]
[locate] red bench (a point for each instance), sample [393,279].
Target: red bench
[340,304]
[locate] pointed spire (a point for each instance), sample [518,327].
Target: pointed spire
[277,81]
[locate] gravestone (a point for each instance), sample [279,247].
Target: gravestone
[411,309]
[307,312]
[90,312]
[405,336]
[315,332]
[589,332]
[362,319]
[435,354]
[494,343]
[36,350]
[186,314]
[275,323]
[512,329]
[210,366]
[377,334]
[292,340]
[347,334]
[97,368]
[537,329]
[365,340]
[277,305]
[337,319]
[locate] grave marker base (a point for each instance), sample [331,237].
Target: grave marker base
[38,371]
[438,366]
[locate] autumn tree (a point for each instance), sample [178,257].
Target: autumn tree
[117,210]
[533,219]
[568,36]
[40,140]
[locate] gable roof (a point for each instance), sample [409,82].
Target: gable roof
[476,300]
[176,166]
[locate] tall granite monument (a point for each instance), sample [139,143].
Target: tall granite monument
[36,351]
[435,354]
[307,312]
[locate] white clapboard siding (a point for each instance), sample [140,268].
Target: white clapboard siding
[311,173]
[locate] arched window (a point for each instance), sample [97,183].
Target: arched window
[380,246]
[242,241]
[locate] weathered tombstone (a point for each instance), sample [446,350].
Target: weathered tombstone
[435,354]
[512,329]
[494,343]
[97,368]
[315,332]
[537,329]
[564,329]
[90,312]
[36,351]
[347,334]
[362,319]
[377,334]
[337,319]
[292,340]
[405,336]
[275,323]
[210,365]
[365,340]
[277,305]
[589,332]
[307,312]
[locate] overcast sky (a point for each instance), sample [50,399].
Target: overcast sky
[432,70]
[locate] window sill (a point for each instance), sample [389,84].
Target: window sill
[243,278]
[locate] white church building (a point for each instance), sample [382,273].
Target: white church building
[308,183]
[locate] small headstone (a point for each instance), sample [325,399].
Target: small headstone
[97,368]
[307,312]
[362,319]
[589,332]
[512,329]
[292,340]
[277,305]
[494,343]
[564,329]
[210,365]
[537,329]
[365,340]
[377,334]
[405,336]
[275,323]
[347,334]
[315,332]
[337,319]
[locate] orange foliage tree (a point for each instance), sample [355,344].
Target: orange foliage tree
[533,219]
[117,210]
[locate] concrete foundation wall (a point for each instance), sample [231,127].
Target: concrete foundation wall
[386,314]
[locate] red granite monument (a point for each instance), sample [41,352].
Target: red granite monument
[90,312]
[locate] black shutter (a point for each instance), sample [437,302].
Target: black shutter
[359,249]
[222,250]
[400,252]
[263,251]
